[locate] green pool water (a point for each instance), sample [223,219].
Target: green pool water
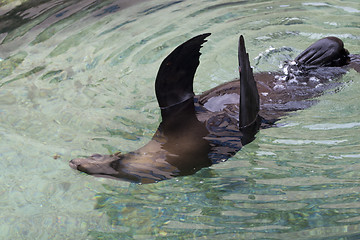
[77,78]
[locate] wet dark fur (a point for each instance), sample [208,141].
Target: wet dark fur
[198,131]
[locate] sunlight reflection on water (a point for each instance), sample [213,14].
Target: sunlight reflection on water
[77,77]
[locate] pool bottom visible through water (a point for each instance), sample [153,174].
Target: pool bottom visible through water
[77,78]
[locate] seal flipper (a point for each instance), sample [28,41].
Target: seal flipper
[326,52]
[174,81]
[249,96]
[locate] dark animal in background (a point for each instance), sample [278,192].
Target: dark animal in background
[200,130]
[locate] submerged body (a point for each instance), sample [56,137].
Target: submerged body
[198,131]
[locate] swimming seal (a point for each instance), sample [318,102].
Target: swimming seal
[200,130]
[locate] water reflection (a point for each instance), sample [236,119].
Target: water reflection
[70,78]
[233,208]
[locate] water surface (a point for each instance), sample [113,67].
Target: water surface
[77,77]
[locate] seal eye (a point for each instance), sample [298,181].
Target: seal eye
[96,155]
[117,154]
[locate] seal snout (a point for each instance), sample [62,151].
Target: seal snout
[75,163]
[82,162]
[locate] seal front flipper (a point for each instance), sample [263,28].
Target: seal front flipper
[249,96]
[326,52]
[180,134]
[174,81]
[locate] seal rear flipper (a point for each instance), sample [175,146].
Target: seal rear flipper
[355,62]
[249,96]
[174,81]
[326,52]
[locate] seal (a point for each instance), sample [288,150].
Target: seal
[200,130]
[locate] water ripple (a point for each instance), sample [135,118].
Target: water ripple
[77,77]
